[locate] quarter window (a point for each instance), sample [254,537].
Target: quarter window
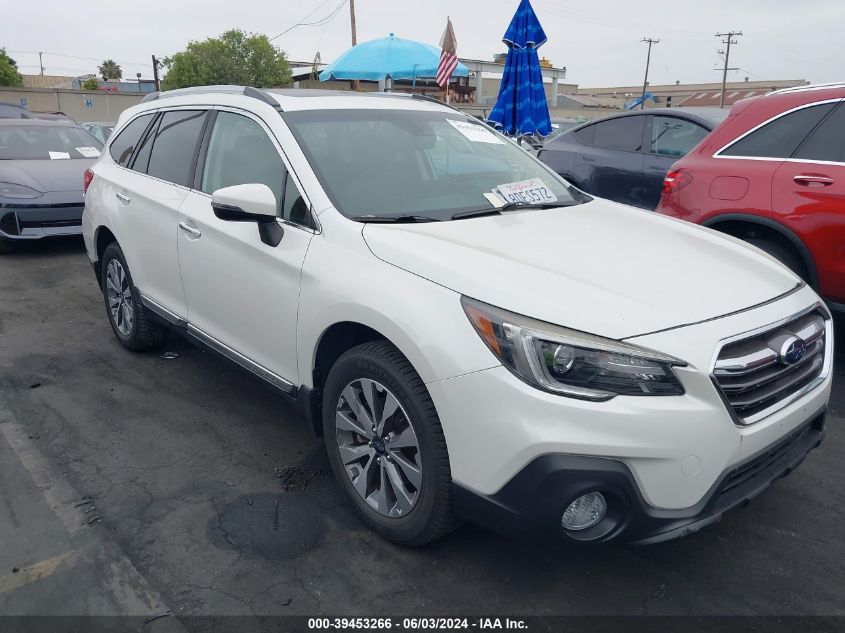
[142,155]
[624,133]
[781,137]
[671,136]
[585,134]
[123,145]
[240,152]
[294,208]
[827,142]
[175,145]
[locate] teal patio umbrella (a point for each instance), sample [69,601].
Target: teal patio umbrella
[392,57]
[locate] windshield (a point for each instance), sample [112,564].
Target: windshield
[40,142]
[408,162]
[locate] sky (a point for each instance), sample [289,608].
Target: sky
[598,42]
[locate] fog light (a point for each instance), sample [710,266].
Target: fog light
[585,512]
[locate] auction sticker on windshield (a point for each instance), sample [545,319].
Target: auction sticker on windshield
[88,152]
[533,191]
[476,132]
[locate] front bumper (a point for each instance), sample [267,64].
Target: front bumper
[48,218]
[534,500]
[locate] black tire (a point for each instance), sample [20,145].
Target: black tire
[431,517]
[784,254]
[144,332]
[9,246]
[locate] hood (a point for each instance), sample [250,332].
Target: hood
[46,175]
[598,267]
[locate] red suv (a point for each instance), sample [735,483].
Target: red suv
[773,174]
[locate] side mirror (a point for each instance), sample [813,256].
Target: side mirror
[251,202]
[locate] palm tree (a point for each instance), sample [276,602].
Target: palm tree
[110,69]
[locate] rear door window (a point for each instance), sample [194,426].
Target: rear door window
[781,137]
[674,137]
[827,142]
[624,134]
[123,145]
[175,145]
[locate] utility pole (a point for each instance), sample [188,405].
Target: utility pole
[649,41]
[727,51]
[355,84]
[352,19]
[155,74]
[41,63]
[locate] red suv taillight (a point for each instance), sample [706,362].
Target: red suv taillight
[675,180]
[86,179]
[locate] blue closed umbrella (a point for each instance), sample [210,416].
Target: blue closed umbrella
[521,108]
[392,56]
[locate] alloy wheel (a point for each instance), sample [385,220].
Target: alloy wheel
[119,296]
[378,447]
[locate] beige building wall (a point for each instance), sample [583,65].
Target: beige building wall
[492,85]
[104,106]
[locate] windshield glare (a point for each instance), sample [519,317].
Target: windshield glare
[37,142]
[398,162]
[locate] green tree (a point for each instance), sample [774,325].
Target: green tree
[236,57]
[91,84]
[9,75]
[110,69]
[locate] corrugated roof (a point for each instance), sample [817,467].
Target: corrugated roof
[710,98]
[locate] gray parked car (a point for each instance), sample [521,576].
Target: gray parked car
[42,165]
[13,111]
[625,157]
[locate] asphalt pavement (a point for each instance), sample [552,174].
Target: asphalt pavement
[211,497]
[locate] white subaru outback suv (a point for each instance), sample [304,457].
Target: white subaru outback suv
[475,338]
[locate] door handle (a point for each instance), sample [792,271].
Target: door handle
[123,198]
[587,159]
[809,180]
[193,232]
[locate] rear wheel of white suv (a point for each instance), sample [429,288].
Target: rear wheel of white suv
[386,445]
[132,326]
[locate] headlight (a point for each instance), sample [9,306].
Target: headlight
[10,190]
[569,362]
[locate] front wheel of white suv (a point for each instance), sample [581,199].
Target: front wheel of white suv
[132,326]
[386,445]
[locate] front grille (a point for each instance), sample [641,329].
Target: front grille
[762,373]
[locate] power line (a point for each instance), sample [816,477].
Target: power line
[92,59]
[324,20]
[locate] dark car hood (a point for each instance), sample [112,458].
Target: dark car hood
[46,175]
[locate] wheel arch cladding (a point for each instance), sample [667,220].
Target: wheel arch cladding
[102,238]
[335,341]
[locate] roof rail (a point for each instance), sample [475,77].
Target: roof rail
[808,87]
[246,91]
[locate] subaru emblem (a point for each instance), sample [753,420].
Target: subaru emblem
[792,351]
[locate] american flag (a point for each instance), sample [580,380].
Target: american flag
[448,55]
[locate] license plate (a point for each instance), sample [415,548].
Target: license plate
[533,191]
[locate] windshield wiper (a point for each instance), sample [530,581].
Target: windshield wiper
[475,213]
[393,219]
[511,206]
